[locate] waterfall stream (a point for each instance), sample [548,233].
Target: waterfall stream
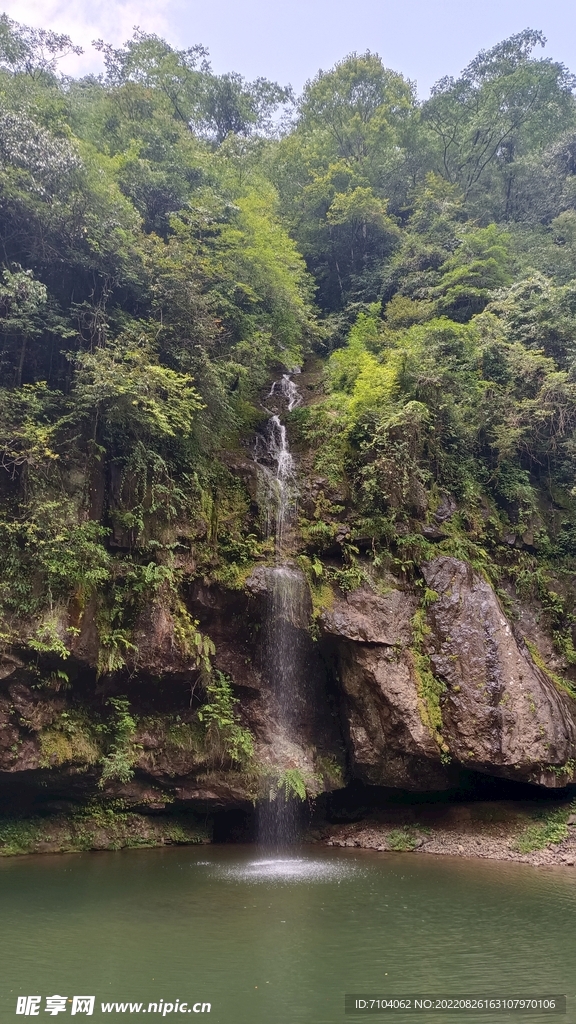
[288,389]
[281,484]
[285,619]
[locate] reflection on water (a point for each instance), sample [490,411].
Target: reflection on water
[280,939]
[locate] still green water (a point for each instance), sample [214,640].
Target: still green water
[267,941]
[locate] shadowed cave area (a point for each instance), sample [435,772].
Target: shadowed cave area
[358,802]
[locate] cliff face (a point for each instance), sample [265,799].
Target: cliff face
[497,711]
[57,736]
[392,695]
[397,681]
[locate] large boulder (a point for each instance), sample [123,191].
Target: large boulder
[389,742]
[501,713]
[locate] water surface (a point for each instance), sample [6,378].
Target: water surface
[279,940]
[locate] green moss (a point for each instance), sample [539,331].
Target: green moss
[430,689]
[99,826]
[233,575]
[321,592]
[19,835]
[565,685]
[189,737]
[72,739]
[328,770]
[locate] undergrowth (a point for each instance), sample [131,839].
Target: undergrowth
[550,827]
[400,839]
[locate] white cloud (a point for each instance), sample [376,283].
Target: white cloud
[86,20]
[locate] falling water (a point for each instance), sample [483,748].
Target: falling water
[277,465]
[287,389]
[286,614]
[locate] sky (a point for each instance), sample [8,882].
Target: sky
[290,40]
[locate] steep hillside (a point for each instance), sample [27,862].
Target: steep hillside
[167,255]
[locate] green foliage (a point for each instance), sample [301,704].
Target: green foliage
[186,736]
[115,645]
[29,51]
[430,689]
[328,770]
[292,784]
[551,828]
[118,762]
[220,719]
[18,835]
[191,641]
[99,824]
[401,840]
[566,685]
[127,370]
[504,104]
[122,384]
[73,738]
[480,266]
[218,105]
[166,251]
[47,639]
[298,784]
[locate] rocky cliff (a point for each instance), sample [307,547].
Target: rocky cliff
[459,689]
[395,694]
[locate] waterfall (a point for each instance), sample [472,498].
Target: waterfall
[287,389]
[285,618]
[281,498]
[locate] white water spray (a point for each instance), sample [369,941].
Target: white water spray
[277,467]
[286,605]
[288,389]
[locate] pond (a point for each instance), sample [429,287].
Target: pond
[280,939]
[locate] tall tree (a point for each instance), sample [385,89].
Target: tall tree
[504,105]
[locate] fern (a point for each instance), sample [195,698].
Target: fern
[219,715]
[293,783]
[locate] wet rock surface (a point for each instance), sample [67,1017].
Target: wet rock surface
[361,710]
[369,618]
[501,712]
[388,741]
[389,744]
[56,733]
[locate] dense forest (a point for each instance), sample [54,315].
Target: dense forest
[173,239]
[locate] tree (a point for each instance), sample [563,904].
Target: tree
[152,62]
[504,104]
[358,109]
[230,105]
[215,105]
[480,265]
[32,51]
[22,302]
